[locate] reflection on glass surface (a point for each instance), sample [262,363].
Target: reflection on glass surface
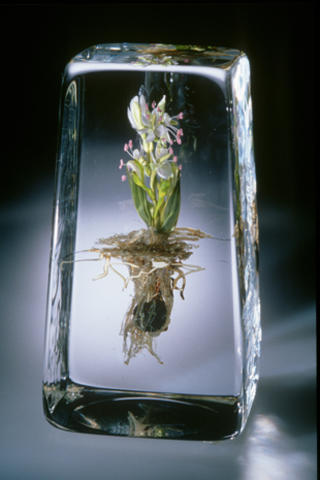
[271,453]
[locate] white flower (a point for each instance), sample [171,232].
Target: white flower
[165,170]
[134,113]
[161,153]
[156,125]
[158,131]
[136,154]
[145,114]
[132,166]
[163,162]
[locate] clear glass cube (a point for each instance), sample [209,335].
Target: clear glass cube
[153,321]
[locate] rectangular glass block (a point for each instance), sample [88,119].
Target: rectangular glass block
[153,321]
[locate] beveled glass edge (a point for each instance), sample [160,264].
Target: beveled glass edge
[246,225]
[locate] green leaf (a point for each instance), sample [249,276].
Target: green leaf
[160,202]
[137,180]
[140,201]
[153,179]
[164,186]
[172,209]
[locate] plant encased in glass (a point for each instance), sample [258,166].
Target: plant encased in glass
[186,366]
[155,257]
[153,171]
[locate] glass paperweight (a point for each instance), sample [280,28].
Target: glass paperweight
[153,322]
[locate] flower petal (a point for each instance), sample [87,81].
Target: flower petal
[131,166]
[165,170]
[131,119]
[135,112]
[150,136]
[162,103]
[143,104]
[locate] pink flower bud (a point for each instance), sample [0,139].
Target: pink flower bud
[175,159]
[121,163]
[123,178]
[130,143]
[170,151]
[180,167]
[153,104]
[180,116]
[125,148]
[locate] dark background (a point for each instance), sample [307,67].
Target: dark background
[280,41]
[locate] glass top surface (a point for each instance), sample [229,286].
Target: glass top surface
[159,54]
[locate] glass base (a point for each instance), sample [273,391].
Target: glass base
[86,409]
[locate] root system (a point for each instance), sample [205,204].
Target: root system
[157,267]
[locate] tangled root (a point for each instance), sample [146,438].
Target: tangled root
[156,268]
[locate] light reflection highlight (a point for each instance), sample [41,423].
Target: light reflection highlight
[270,453]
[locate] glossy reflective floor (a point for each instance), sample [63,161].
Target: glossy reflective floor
[279,442]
